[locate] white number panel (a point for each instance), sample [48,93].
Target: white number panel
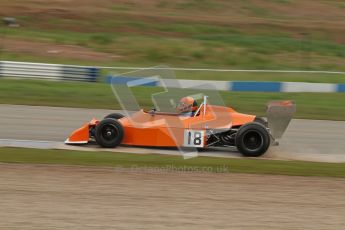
[194,138]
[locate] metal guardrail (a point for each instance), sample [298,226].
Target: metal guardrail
[244,86]
[90,74]
[48,71]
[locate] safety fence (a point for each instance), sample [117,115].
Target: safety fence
[91,74]
[48,71]
[246,86]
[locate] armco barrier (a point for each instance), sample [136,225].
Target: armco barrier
[256,86]
[48,71]
[245,86]
[341,88]
[87,73]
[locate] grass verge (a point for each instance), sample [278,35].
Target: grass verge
[163,162]
[328,106]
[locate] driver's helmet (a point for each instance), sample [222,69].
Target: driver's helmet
[187,105]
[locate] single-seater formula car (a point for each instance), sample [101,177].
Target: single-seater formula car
[210,126]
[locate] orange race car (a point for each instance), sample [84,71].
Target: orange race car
[208,126]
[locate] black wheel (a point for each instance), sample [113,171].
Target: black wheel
[252,139]
[261,121]
[114,116]
[109,133]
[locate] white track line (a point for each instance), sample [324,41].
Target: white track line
[29,144]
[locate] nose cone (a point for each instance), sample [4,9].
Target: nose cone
[79,136]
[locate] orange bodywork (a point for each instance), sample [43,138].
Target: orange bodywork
[166,129]
[82,135]
[144,129]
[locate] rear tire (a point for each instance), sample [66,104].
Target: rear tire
[109,133]
[114,116]
[252,139]
[261,121]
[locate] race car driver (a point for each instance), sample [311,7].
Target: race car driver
[187,107]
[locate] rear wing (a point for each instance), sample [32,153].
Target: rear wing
[279,115]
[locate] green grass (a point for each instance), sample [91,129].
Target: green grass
[329,106]
[165,33]
[212,50]
[257,166]
[188,33]
[270,45]
[193,75]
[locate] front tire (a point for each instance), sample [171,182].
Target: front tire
[252,139]
[109,133]
[114,116]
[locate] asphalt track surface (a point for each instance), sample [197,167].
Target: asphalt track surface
[312,140]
